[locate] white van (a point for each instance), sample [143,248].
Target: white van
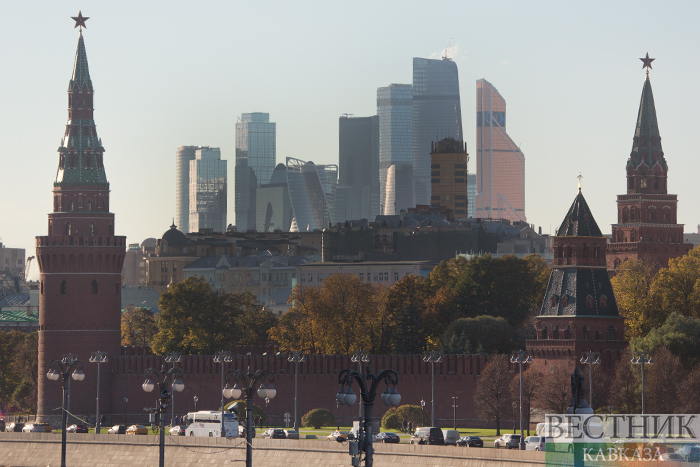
[451,437]
[208,423]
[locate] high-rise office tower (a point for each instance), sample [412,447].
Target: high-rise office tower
[208,190]
[309,187]
[183,156]
[273,206]
[256,148]
[500,164]
[471,195]
[395,111]
[436,115]
[448,176]
[357,196]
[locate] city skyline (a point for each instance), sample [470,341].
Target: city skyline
[145,109]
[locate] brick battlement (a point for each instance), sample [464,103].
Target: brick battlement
[80,240]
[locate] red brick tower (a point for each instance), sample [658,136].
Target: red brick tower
[80,259]
[646,216]
[579,312]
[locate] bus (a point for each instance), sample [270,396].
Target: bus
[208,423]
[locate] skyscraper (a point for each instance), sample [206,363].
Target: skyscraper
[448,176]
[647,225]
[183,156]
[471,195]
[395,111]
[256,147]
[357,196]
[436,115]
[208,190]
[80,260]
[309,187]
[500,164]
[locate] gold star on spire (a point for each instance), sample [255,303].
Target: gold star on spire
[646,62]
[80,20]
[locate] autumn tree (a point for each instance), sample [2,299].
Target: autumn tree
[555,394]
[636,301]
[19,370]
[678,286]
[625,388]
[532,385]
[690,385]
[138,326]
[493,397]
[662,382]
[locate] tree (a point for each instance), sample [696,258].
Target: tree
[408,335]
[625,388]
[19,370]
[678,286]
[394,417]
[662,382]
[532,384]
[318,418]
[679,334]
[636,301]
[138,326]
[493,335]
[555,394]
[493,391]
[690,385]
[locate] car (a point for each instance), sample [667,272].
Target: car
[340,436]
[77,428]
[451,437]
[117,430]
[177,430]
[507,441]
[37,428]
[671,456]
[274,433]
[388,437]
[137,430]
[291,434]
[535,443]
[470,442]
[14,427]
[427,435]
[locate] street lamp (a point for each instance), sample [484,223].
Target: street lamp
[432,357]
[98,357]
[222,357]
[161,378]
[515,406]
[296,357]
[643,359]
[422,413]
[247,386]
[347,397]
[173,357]
[126,404]
[65,368]
[521,357]
[337,419]
[360,357]
[591,358]
[195,399]
[454,412]
[267,412]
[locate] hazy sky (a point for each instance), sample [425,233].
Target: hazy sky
[179,73]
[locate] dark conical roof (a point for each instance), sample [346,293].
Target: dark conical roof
[81,73]
[647,141]
[579,221]
[174,237]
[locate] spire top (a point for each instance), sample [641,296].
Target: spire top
[579,181]
[646,63]
[80,21]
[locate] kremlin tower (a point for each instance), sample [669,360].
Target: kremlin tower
[80,259]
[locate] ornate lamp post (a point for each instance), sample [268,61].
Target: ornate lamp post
[247,384]
[296,357]
[222,357]
[65,368]
[521,357]
[347,397]
[161,379]
[432,357]
[98,357]
[195,399]
[267,412]
[173,357]
[643,359]
[422,413]
[360,357]
[590,358]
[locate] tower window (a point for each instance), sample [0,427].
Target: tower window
[545,333]
[91,229]
[63,287]
[603,301]
[89,205]
[555,332]
[589,302]
[643,182]
[612,335]
[68,229]
[585,333]
[70,205]
[42,287]
[553,301]
[94,287]
[564,301]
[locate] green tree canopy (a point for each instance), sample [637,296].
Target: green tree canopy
[679,334]
[138,326]
[485,333]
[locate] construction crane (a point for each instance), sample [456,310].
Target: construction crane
[26,268]
[447,51]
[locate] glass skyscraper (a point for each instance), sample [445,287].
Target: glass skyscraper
[357,196]
[436,115]
[183,156]
[310,187]
[500,164]
[395,111]
[208,190]
[256,148]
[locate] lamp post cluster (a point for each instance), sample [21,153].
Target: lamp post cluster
[161,378]
[590,358]
[222,357]
[245,384]
[390,397]
[173,357]
[67,367]
[360,357]
[521,357]
[296,358]
[432,357]
[643,359]
[98,357]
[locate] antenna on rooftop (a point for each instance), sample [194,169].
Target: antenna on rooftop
[447,51]
[346,115]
